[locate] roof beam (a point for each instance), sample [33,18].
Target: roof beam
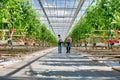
[76,13]
[60,22]
[53,8]
[88,7]
[46,15]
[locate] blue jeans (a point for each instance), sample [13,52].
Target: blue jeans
[68,47]
[59,47]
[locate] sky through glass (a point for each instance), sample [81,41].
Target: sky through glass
[60,16]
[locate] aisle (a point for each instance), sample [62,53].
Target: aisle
[61,66]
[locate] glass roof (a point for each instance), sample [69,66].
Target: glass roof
[60,16]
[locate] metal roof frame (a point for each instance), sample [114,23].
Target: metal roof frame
[58,14]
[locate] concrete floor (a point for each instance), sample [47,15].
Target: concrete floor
[50,65]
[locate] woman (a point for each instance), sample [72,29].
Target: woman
[68,44]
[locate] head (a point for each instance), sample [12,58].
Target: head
[68,36]
[59,35]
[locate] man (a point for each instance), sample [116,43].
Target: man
[68,44]
[59,44]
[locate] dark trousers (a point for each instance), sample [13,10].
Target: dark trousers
[68,47]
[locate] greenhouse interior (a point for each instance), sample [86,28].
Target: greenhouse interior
[59,39]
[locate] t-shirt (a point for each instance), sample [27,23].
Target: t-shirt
[60,40]
[69,40]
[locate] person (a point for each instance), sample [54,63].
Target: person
[9,41]
[10,37]
[68,44]
[85,44]
[94,45]
[59,44]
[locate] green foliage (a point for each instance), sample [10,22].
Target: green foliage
[98,17]
[46,35]
[20,15]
